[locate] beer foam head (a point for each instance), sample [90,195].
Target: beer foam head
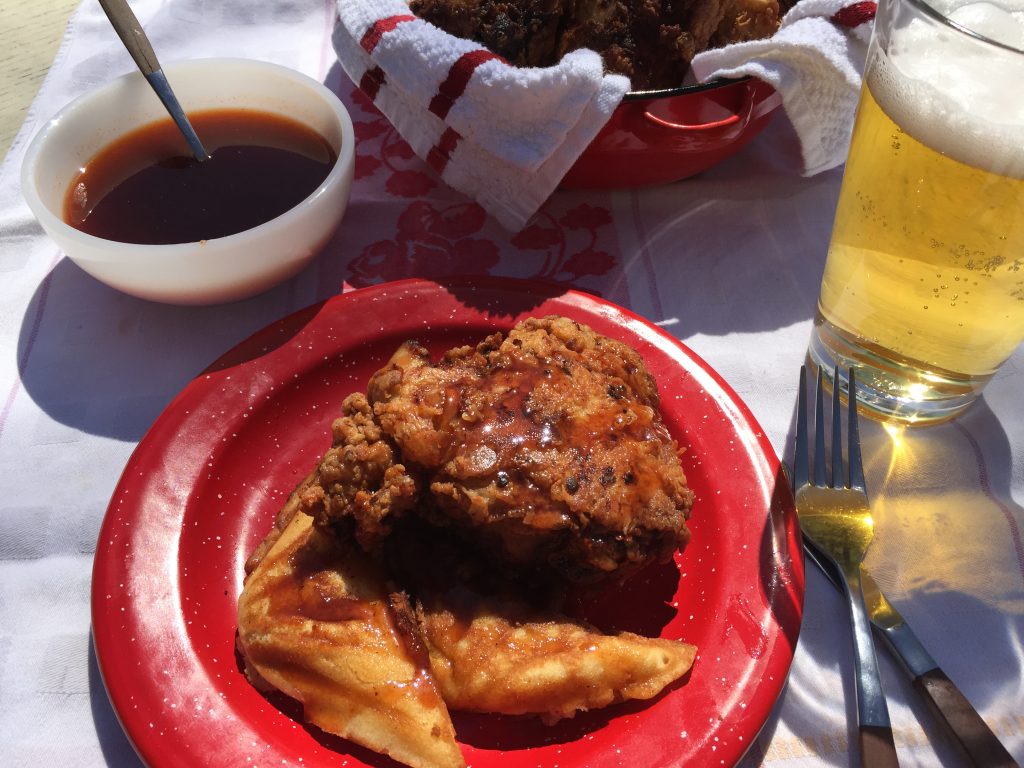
[957,94]
[1000,22]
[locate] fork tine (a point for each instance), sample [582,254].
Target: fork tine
[800,462]
[837,433]
[819,436]
[856,465]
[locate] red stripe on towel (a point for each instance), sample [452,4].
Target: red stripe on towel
[441,152]
[856,14]
[371,81]
[380,28]
[458,78]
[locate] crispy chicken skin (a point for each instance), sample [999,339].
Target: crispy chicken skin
[522,31]
[359,483]
[649,41]
[748,20]
[546,447]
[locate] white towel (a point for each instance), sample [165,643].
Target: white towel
[815,61]
[501,134]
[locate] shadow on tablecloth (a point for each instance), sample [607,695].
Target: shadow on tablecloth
[98,361]
[117,750]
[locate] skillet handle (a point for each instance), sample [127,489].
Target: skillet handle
[723,123]
[739,118]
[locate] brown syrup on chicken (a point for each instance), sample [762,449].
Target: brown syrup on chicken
[545,448]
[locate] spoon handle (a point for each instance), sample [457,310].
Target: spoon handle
[158,82]
[128,28]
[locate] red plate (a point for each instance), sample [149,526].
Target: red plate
[204,484]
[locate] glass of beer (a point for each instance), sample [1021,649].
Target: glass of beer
[923,289]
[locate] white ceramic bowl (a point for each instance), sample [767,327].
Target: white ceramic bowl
[216,270]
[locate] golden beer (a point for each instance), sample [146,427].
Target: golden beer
[923,287]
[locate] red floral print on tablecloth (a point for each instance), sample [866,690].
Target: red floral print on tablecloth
[430,242]
[435,237]
[392,154]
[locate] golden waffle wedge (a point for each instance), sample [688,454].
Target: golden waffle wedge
[317,622]
[498,655]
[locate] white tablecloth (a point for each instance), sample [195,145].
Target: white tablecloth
[729,263]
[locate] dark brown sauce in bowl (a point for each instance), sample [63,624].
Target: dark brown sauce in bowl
[146,188]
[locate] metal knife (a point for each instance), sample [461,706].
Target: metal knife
[979,745]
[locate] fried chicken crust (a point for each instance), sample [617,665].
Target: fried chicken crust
[324,623]
[546,446]
[359,484]
[650,41]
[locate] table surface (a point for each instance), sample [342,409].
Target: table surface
[30,34]
[729,263]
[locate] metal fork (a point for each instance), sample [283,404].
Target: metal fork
[837,518]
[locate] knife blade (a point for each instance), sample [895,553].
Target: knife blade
[975,739]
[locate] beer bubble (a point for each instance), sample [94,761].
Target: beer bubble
[902,214]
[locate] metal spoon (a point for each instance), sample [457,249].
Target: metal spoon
[130,31]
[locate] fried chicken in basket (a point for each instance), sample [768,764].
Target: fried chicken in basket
[650,41]
[546,447]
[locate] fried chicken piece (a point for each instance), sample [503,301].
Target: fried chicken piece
[359,483]
[524,32]
[650,41]
[546,447]
[747,20]
[316,621]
